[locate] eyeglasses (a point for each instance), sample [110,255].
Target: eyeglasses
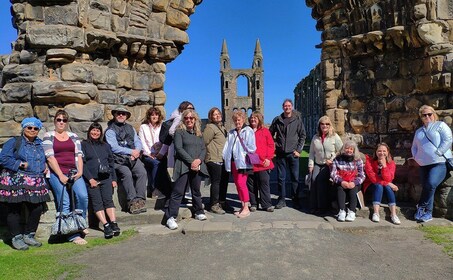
[327,124]
[190,108]
[189,118]
[32,128]
[61,120]
[427,115]
[121,113]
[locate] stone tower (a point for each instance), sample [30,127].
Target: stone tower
[254,101]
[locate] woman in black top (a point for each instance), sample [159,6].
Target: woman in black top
[100,180]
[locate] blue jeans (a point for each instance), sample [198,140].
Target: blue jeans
[80,194]
[431,177]
[292,162]
[378,191]
[151,166]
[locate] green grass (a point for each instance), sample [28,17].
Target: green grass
[48,261]
[442,235]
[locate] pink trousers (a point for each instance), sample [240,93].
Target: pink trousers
[240,180]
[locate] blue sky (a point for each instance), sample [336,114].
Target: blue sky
[285,29]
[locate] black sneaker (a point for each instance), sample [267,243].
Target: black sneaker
[281,203]
[116,229]
[108,232]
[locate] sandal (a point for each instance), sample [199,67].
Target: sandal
[79,241]
[242,215]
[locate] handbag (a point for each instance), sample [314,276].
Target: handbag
[102,168]
[251,158]
[71,222]
[448,161]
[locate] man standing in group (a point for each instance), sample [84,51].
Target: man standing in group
[289,133]
[126,148]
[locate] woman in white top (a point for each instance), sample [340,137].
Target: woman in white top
[154,153]
[323,148]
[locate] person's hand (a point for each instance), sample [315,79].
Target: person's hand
[135,154]
[114,184]
[351,185]
[77,175]
[329,162]
[93,183]
[159,156]
[195,166]
[296,154]
[63,179]
[382,162]
[345,185]
[310,170]
[393,187]
[266,162]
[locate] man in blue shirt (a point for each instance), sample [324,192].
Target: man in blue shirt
[126,148]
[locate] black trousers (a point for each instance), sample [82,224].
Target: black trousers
[219,181]
[101,196]
[194,180]
[13,217]
[352,195]
[258,183]
[320,190]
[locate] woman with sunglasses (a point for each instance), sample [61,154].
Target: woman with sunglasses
[190,153]
[23,184]
[430,148]
[324,146]
[64,154]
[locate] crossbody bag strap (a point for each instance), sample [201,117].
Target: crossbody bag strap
[426,134]
[99,161]
[242,143]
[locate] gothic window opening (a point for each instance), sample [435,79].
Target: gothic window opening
[242,84]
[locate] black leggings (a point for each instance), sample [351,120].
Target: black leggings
[13,218]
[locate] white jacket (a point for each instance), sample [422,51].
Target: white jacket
[233,148]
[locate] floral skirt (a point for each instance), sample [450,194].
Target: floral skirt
[18,187]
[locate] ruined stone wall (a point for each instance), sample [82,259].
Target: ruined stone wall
[381,60]
[86,56]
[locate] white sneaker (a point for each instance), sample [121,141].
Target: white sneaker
[201,217]
[395,220]
[171,223]
[350,217]
[375,218]
[341,216]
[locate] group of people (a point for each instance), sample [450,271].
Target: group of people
[168,158]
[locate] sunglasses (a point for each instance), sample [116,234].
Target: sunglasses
[61,120]
[189,118]
[32,128]
[325,124]
[121,113]
[427,115]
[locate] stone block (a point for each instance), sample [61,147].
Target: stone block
[85,113]
[437,63]
[118,24]
[120,78]
[16,92]
[400,87]
[79,128]
[22,111]
[176,35]
[77,72]
[107,97]
[61,55]
[332,99]
[141,81]
[42,113]
[13,73]
[100,20]
[159,67]
[10,129]
[33,12]
[157,81]
[431,32]
[159,98]
[133,97]
[63,92]
[177,19]
[55,36]
[100,74]
[160,5]
[64,15]
[444,9]
[6,112]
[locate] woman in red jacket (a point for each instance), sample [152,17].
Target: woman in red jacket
[380,171]
[258,182]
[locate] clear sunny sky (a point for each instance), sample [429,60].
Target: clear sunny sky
[285,29]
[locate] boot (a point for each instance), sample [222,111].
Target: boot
[18,243]
[108,232]
[217,209]
[30,240]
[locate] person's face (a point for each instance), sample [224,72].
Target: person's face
[253,122]
[95,133]
[216,117]
[31,132]
[349,151]
[189,121]
[287,107]
[238,122]
[427,116]
[120,117]
[61,122]
[154,118]
[325,126]
[382,152]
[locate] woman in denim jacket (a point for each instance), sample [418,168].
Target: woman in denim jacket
[22,183]
[430,148]
[234,158]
